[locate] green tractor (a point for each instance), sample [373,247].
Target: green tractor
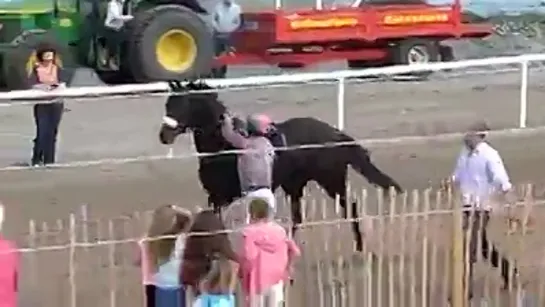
[166,40]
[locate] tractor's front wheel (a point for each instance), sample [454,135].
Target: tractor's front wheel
[170,42]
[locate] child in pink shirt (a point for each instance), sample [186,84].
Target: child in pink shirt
[9,263]
[266,257]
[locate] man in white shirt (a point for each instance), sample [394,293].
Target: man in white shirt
[114,22]
[227,19]
[481,177]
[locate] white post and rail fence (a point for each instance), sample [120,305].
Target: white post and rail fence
[338,77]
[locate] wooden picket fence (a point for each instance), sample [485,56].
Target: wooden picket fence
[413,255]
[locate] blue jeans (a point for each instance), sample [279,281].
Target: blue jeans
[47,118]
[215,300]
[169,297]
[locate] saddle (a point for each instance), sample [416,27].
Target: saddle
[277,138]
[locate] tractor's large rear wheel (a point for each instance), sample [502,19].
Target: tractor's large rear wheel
[169,42]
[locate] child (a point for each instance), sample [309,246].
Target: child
[147,282]
[164,255]
[9,265]
[218,285]
[266,257]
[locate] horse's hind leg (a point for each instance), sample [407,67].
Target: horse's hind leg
[335,187]
[214,203]
[217,203]
[295,191]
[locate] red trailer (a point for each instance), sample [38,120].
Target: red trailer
[364,34]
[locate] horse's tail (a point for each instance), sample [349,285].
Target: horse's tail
[361,162]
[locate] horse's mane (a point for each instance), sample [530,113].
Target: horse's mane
[201,93]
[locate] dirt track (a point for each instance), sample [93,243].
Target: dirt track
[119,128]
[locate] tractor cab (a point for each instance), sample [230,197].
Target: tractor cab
[103,53]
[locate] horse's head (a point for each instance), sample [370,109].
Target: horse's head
[186,110]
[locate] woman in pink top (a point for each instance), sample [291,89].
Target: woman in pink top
[266,257]
[9,264]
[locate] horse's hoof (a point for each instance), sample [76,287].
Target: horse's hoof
[359,247]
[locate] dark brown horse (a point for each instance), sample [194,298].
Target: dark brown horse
[201,113]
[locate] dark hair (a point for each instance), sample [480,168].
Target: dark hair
[479,129]
[43,48]
[201,250]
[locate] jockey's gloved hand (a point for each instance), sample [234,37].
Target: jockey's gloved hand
[226,117]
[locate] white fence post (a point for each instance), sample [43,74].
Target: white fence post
[341,87]
[523,114]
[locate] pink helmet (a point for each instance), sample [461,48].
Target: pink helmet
[258,123]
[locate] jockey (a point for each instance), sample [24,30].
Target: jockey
[255,167]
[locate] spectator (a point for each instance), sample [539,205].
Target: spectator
[218,286]
[202,250]
[266,258]
[48,76]
[480,175]
[164,257]
[9,265]
[227,19]
[113,23]
[147,281]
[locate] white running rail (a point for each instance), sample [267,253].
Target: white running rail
[337,76]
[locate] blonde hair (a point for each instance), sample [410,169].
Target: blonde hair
[167,220]
[259,209]
[222,276]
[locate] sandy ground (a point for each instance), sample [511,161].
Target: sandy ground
[119,128]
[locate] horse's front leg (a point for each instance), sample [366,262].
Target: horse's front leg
[295,193]
[215,203]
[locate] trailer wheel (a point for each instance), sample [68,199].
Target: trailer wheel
[170,42]
[415,51]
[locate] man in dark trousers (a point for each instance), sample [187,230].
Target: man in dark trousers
[482,180]
[47,76]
